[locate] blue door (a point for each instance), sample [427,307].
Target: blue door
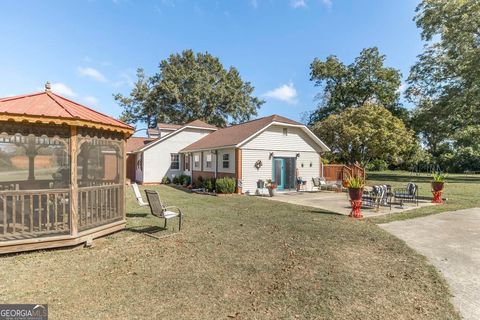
[279,172]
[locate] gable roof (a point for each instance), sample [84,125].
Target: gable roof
[134,143]
[237,134]
[48,107]
[195,124]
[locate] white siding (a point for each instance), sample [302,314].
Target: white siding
[138,167]
[157,158]
[250,174]
[273,139]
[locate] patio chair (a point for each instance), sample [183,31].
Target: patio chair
[407,194]
[318,183]
[159,210]
[138,195]
[380,195]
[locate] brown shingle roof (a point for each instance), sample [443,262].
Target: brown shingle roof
[235,134]
[50,105]
[135,143]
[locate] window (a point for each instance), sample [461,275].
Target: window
[174,161]
[226,161]
[208,163]
[196,161]
[285,131]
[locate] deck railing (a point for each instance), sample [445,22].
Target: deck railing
[34,213]
[98,205]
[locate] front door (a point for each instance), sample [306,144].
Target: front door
[279,173]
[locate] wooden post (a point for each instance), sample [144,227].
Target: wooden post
[73,182]
[238,169]
[123,195]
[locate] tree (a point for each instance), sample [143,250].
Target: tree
[446,73]
[191,86]
[362,134]
[346,86]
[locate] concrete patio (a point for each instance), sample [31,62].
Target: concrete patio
[338,202]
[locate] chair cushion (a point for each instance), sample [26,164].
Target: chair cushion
[170,214]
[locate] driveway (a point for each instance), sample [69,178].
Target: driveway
[451,242]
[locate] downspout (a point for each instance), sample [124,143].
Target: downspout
[216,163]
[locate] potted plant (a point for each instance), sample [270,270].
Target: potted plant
[355,188]
[438,181]
[271,186]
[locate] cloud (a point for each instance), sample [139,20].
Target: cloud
[327,3]
[286,93]
[298,3]
[92,73]
[63,90]
[90,100]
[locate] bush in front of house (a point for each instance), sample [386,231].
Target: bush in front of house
[225,185]
[166,180]
[175,180]
[200,183]
[209,184]
[184,180]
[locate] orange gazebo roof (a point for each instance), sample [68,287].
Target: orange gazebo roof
[47,107]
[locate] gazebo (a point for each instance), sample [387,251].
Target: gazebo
[62,172]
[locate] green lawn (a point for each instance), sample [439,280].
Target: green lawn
[237,257]
[462,192]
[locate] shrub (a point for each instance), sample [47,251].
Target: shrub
[166,180]
[184,180]
[176,180]
[200,182]
[225,185]
[208,184]
[377,165]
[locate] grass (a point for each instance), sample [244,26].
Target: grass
[462,192]
[237,257]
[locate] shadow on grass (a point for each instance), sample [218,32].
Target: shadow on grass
[145,229]
[325,212]
[136,215]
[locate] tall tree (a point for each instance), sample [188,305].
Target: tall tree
[444,81]
[365,133]
[191,86]
[365,80]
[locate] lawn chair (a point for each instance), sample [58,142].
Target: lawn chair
[159,210]
[407,194]
[138,195]
[318,183]
[378,196]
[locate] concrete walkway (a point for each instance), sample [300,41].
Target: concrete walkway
[451,242]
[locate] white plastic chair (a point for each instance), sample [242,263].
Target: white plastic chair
[138,195]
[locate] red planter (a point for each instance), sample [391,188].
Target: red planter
[437,186]
[355,194]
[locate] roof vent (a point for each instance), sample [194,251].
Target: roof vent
[48,87]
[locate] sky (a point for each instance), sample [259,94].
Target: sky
[91,49]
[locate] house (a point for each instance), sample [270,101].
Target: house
[158,156]
[272,147]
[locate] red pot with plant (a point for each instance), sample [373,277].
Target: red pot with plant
[355,188]
[271,187]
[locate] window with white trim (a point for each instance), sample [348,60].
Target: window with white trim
[196,161]
[226,161]
[208,163]
[174,161]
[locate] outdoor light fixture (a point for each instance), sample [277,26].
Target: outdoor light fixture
[311,164]
[270,156]
[298,155]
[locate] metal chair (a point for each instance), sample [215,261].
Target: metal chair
[159,210]
[138,195]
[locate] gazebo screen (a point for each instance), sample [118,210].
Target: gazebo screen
[34,181]
[100,176]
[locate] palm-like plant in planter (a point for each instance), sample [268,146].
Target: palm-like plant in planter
[438,181]
[355,187]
